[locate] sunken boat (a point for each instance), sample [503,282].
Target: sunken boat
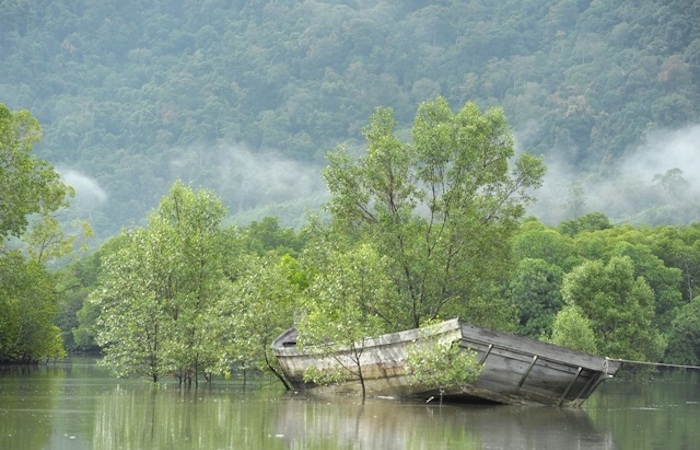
[514,369]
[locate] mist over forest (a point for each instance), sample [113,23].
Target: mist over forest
[246,97]
[177,120]
[636,188]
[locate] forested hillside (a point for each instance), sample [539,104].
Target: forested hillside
[246,97]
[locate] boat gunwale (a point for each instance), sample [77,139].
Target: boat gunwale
[540,349]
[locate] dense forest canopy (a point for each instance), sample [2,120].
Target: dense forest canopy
[419,230]
[243,101]
[245,97]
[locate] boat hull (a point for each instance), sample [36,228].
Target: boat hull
[515,369]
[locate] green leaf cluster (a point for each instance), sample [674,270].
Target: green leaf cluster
[28,304]
[623,291]
[440,208]
[28,185]
[572,329]
[188,296]
[31,237]
[262,303]
[684,336]
[348,301]
[160,292]
[418,230]
[439,363]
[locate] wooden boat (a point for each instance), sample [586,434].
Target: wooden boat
[515,369]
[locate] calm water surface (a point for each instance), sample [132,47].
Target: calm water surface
[75,405]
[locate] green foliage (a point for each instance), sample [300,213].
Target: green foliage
[679,247]
[28,185]
[83,332]
[664,281]
[535,240]
[132,299]
[536,293]
[639,244]
[160,292]
[441,209]
[420,230]
[490,309]
[78,280]
[340,370]
[684,335]
[350,300]
[437,362]
[589,222]
[663,261]
[261,304]
[27,311]
[267,235]
[619,306]
[30,238]
[571,328]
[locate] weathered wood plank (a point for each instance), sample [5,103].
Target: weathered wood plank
[516,369]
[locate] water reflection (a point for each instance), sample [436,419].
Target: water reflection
[78,407]
[169,418]
[663,414]
[392,425]
[140,418]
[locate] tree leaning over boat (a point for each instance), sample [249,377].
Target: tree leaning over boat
[420,230]
[340,311]
[432,361]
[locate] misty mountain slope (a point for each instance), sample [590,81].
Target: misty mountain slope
[133,95]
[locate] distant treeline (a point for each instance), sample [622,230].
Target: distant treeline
[137,94]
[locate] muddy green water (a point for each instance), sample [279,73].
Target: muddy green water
[75,405]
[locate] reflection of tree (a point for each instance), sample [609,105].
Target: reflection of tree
[388,425]
[137,416]
[51,406]
[25,419]
[652,411]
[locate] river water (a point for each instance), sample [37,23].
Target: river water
[75,405]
